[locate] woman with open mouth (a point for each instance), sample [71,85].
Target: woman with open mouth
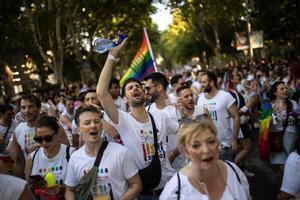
[205,176]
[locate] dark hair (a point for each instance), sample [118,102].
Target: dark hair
[273,89]
[129,81]
[212,77]
[114,81]
[5,107]
[175,79]
[159,78]
[83,109]
[48,121]
[182,88]
[33,99]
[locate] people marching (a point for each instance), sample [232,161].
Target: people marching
[162,137]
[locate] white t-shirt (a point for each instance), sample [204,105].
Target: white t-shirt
[234,189]
[291,176]
[56,165]
[172,97]
[138,138]
[119,102]
[24,136]
[116,166]
[11,187]
[218,108]
[10,132]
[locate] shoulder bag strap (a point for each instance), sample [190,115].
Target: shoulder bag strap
[179,186]
[68,153]
[154,133]
[100,153]
[230,165]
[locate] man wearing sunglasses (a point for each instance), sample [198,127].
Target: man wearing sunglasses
[155,86]
[135,128]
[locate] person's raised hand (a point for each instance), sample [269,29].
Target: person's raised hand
[115,51]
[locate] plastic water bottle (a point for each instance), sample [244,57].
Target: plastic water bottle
[102,45]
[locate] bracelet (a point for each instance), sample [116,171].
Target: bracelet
[111,57]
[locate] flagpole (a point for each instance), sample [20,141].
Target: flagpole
[150,49]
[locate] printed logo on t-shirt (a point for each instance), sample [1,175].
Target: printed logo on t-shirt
[29,144]
[211,106]
[148,147]
[57,171]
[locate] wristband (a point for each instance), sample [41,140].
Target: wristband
[111,57]
[244,109]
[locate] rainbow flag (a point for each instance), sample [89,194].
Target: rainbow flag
[265,120]
[142,63]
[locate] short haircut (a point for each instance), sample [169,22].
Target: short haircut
[127,82]
[4,108]
[212,77]
[157,77]
[33,99]
[175,79]
[90,91]
[83,109]
[182,88]
[113,81]
[48,121]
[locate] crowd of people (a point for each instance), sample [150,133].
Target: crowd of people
[163,137]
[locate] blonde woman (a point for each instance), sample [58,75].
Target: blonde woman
[205,177]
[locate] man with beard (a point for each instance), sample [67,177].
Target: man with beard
[176,82]
[135,128]
[22,142]
[221,106]
[155,87]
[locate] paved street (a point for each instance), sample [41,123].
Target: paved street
[263,185]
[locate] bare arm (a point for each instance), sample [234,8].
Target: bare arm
[234,112]
[28,168]
[135,187]
[62,137]
[70,193]
[63,119]
[16,154]
[112,131]
[103,85]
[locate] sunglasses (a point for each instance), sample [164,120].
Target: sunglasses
[40,139]
[198,118]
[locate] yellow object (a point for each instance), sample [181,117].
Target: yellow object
[50,179]
[101,197]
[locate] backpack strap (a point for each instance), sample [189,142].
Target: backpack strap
[68,153]
[179,186]
[230,165]
[33,157]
